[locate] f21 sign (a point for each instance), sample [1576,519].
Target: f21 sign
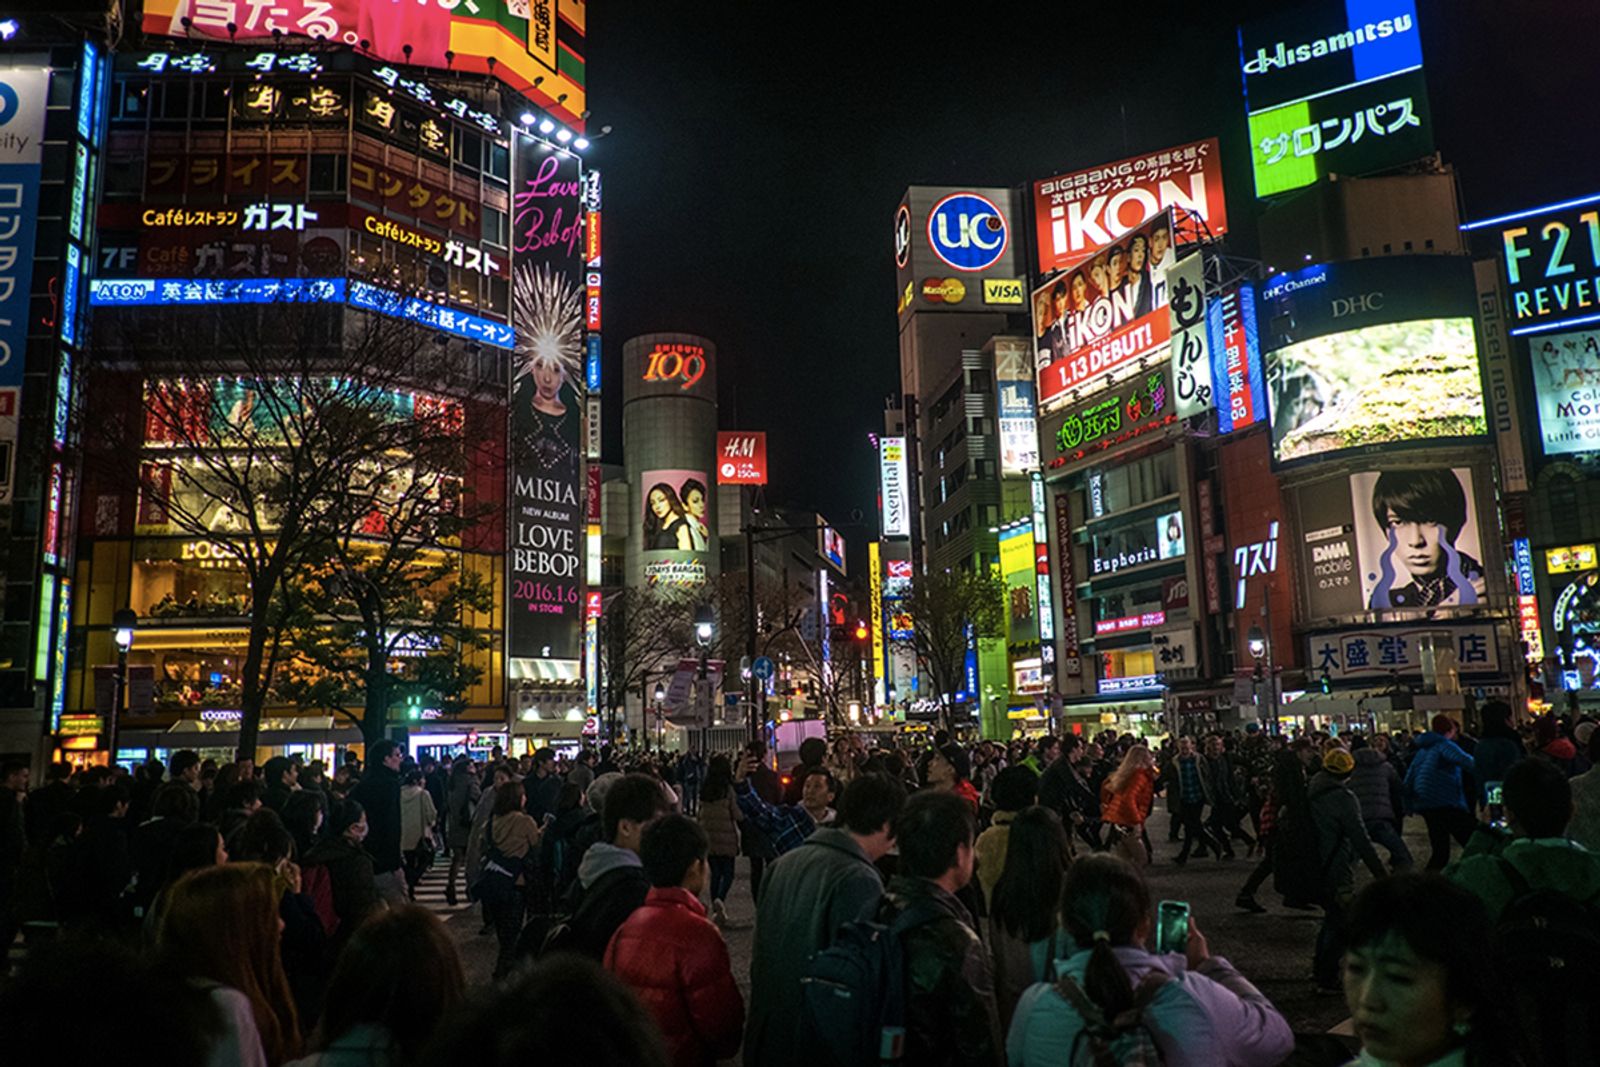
[1551,258]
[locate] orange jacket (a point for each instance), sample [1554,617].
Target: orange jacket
[1131,806]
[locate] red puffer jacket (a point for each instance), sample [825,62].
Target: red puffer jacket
[677,962]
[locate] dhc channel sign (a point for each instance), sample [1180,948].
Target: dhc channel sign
[968,231]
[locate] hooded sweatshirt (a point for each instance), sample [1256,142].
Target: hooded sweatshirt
[1546,862]
[602,857]
[613,885]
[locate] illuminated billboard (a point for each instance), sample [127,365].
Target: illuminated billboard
[1390,539]
[1078,214]
[1566,382]
[1235,343]
[534,46]
[957,249]
[1550,260]
[894,487]
[1104,420]
[1333,88]
[1019,430]
[22,107]
[1191,364]
[676,503]
[1096,322]
[548,522]
[1370,353]
[1017,571]
[741,457]
[830,545]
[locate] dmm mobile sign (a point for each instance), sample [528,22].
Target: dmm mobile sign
[1078,214]
[1551,257]
[535,46]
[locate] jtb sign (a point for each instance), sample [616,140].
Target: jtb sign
[968,231]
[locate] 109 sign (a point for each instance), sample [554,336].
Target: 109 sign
[684,364]
[968,231]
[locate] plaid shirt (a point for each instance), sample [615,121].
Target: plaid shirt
[786,825]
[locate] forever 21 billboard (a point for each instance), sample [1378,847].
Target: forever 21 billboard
[546,573]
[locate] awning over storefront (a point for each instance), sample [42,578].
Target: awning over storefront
[276,730]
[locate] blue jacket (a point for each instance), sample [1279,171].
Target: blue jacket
[1434,778]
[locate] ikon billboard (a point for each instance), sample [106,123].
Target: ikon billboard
[741,457]
[1096,322]
[1077,214]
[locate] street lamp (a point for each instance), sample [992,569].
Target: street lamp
[705,628]
[1256,641]
[123,622]
[661,726]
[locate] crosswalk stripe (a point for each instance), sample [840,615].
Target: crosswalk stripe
[431,891]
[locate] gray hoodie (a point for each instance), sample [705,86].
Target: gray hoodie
[602,857]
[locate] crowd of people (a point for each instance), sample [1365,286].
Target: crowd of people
[934,904]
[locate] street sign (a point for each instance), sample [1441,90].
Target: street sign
[762,668]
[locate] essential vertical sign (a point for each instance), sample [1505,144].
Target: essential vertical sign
[894,487]
[546,579]
[22,102]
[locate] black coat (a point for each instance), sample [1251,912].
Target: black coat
[605,906]
[350,874]
[379,793]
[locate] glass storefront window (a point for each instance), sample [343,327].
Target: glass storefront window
[187,580]
[1128,663]
[1130,485]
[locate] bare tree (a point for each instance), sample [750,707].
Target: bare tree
[640,630]
[264,430]
[946,608]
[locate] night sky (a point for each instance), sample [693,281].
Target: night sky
[759,150]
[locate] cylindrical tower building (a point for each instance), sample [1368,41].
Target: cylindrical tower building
[669,434]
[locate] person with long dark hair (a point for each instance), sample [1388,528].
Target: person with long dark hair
[396,979]
[1025,907]
[509,843]
[719,818]
[1198,1010]
[665,525]
[1416,980]
[220,931]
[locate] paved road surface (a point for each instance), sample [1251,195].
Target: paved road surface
[1273,950]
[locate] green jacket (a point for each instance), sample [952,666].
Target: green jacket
[806,895]
[1547,863]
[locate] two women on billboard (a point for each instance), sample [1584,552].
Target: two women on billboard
[675,519]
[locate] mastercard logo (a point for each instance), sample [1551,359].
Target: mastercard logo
[944,290]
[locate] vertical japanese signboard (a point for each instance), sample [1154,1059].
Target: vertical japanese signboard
[896,505]
[1191,366]
[22,101]
[1235,345]
[544,619]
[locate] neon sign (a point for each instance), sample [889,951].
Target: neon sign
[148,292]
[1259,558]
[1130,622]
[1104,417]
[681,363]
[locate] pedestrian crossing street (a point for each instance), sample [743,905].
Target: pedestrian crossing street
[430,891]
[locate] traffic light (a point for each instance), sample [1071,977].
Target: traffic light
[1327,684]
[414,704]
[861,630]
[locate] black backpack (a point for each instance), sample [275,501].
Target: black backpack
[853,996]
[1545,953]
